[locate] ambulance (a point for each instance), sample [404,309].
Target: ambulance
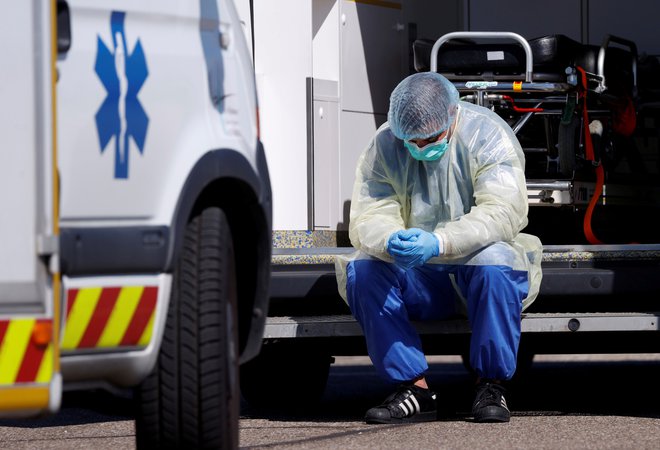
[135,233]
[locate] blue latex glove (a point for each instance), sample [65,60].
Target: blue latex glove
[413,247]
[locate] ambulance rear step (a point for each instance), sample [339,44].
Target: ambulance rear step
[603,288]
[568,270]
[346,326]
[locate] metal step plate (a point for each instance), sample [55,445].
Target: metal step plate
[346,326]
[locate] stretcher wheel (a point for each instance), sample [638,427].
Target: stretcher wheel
[568,144]
[191,398]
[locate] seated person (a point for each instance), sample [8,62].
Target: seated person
[438,206]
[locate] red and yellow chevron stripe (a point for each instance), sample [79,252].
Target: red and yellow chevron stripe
[26,351]
[109,317]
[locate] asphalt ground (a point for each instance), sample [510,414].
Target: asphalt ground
[577,401]
[574,402]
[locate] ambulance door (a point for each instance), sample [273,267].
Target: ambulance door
[30,383]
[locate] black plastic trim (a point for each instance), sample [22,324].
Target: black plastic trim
[113,250]
[319,281]
[63,27]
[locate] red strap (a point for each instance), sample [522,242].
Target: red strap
[600,174]
[519,109]
[588,232]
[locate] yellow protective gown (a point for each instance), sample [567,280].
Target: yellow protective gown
[474,198]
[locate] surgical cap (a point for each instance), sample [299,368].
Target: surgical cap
[422,105]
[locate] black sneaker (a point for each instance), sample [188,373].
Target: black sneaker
[409,404]
[489,404]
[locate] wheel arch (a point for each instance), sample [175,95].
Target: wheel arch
[225,178]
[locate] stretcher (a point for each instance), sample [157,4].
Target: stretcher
[572,106]
[549,89]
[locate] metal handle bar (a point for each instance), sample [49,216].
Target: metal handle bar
[601,59]
[485,35]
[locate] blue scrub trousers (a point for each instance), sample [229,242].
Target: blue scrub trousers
[384,298]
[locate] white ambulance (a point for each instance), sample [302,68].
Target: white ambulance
[135,232]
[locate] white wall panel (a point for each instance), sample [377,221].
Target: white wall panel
[326,160]
[283,62]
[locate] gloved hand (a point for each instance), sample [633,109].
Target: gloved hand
[413,247]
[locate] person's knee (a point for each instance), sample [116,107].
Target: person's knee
[369,280]
[491,273]
[364,276]
[492,277]
[513,284]
[366,272]
[364,269]
[496,288]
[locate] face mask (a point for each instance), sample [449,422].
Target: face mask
[430,152]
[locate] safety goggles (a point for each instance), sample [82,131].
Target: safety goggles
[421,144]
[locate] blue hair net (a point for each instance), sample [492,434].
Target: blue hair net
[422,105]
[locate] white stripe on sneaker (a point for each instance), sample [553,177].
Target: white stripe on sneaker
[410,406]
[405,409]
[414,400]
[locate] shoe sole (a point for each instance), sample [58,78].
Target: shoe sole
[492,414]
[430,416]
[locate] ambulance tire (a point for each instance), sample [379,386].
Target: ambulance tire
[286,378]
[191,399]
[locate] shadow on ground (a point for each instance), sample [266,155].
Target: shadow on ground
[623,388]
[82,407]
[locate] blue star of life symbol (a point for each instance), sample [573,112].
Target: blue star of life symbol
[121,115]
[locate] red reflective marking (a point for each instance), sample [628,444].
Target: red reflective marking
[70,300]
[31,361]
[4,324]
[141,316]
[100,317]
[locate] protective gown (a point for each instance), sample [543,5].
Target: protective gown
[474,198]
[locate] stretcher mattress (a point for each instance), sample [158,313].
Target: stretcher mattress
[552,54]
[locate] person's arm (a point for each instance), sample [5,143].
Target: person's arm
[500,196]
[376,211]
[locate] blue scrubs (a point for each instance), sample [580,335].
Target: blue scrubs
[384,298]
